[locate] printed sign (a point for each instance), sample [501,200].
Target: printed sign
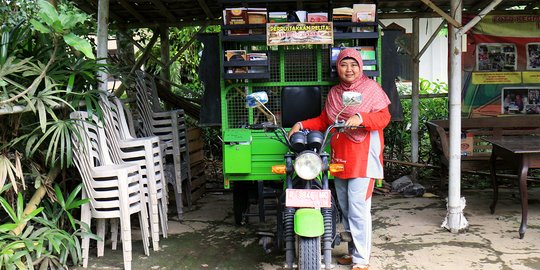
[496,77]
[531,77]
[295,33]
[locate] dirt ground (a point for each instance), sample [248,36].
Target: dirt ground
[407,235]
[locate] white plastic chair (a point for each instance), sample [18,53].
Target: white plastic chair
[144,152]
[114,190]
[170,127]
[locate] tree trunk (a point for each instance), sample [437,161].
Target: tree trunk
[36,199]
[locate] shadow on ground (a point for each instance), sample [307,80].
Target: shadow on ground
[406,235]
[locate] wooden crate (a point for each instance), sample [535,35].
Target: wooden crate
[197,164]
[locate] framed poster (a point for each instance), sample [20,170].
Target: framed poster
[533,56]
[496,57]
[520,100]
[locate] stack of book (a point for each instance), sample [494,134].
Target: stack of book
[257,16]
[236,56]
[257,57]
[277,17]
[343,14]
[317,17]
[236,16]
[364,13]
[239,16]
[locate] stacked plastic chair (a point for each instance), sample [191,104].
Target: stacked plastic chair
[170,127]
[144,152]
[114,190]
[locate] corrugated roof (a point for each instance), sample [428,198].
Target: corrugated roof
[148,13]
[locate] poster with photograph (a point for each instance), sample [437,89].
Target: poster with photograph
[533,56]
[520,100]
[496,57]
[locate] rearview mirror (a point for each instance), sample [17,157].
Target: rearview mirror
[256,99]
[351,98]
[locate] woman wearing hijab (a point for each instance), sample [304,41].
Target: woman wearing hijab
[360,150]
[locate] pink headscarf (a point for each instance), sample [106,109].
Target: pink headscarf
[373,96]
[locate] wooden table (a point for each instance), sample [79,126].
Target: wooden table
[524,153]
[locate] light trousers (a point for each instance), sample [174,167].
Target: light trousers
[354,197]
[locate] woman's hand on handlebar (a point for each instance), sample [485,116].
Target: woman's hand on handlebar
[354,121]
[295,128]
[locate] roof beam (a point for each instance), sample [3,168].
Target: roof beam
[207,11]
[176,24]
[132,11]
[480,5]
[442,13]
[164,10]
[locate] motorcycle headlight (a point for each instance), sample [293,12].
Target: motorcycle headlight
[308,165]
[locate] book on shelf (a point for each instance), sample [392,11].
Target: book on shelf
[257,57]
[277,17]
[257,16]
[239,56]
[317,17]
[343,14]
[364,12]
[236,16]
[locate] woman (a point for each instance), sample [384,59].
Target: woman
[360,150]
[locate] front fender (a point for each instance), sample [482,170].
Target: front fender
[308,222]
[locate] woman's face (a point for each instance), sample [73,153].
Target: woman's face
[349,70]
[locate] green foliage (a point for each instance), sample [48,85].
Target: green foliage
[63,208]
[44,244]
[61,24]
[398,134]
[47,68]
[43,71]
[184,71]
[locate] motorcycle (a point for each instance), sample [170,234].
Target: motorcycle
[307,215]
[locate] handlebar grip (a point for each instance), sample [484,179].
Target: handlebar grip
[263,126]
[256,126]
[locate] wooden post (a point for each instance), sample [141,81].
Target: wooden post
[165,56]
[102,40]
[126,53]
[415,95]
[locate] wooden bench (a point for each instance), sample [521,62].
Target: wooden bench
[479,128]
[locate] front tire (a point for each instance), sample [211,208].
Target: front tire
[309,253]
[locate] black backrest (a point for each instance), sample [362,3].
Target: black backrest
[299,103]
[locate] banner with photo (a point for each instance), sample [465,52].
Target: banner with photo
[504,43]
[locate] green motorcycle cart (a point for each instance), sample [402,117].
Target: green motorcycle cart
[307,69]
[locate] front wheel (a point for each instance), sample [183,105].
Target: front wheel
[309,253]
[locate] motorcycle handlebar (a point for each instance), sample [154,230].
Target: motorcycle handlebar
[270,127]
